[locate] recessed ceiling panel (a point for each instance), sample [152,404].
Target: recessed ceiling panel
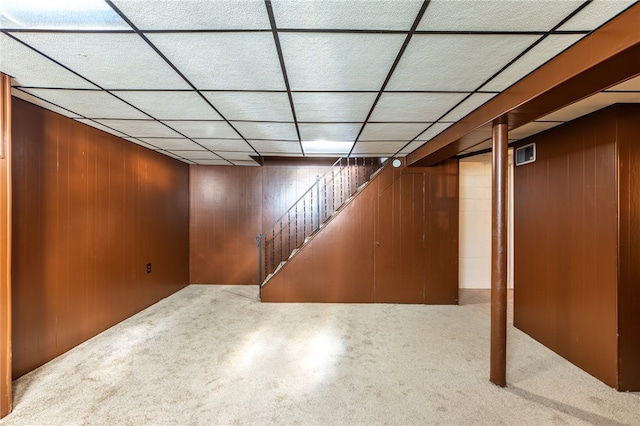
[113,61]
[261,130]
[591,104]
[339,61]
[378,148]
[412,147]
[213,162]
[143,144]
[363,15]
[595,14]
[391,131]
[196,154]
[172,143]
[329,131]
[228,61]
[99,126]
[423,107]
[89,103]
[469,105]
[633,84]
[141,128]
[224,144]
[195,14]
[327,148]
[434,130]
[281,147]
[166,105]
[203,129]
[20,62]
[246,163]
[455,62]
[254,106]
[496,15]
[328,106]
[544,51]
[60,15]
[236,155]
[44,104]
[531,129]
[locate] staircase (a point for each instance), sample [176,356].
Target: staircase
[322,201]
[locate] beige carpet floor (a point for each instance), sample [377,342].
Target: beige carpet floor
[215,355]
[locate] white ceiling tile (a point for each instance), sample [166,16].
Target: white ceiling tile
[261,130]
[326,148]
[224,144]
[203,129]
[141,143]
[141,128]
[328,106]
[60,15]
[495,15]
[195,14]
[229,61]
[237,156]
[424,107]
[364,15]
[291,147]
[544,51]
[595,14]
[455,62]
[246,163]
[433,130]
[531,129]
[172,143]
[329,131]
[113,61]
[378,148]
[20,62]
[470,104]
[590,104]
[166,105]
[633,84]
[196,154]
[391,131]
[339,61]
[254,106]
[212,162]
[172,155]
[412,147]
[101,127]
[89,103]
[44,104]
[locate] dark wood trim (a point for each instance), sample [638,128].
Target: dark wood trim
[598,61]
[5,246]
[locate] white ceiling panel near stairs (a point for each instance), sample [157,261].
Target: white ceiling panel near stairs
[225,81]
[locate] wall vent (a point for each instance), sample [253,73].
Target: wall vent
[526,154]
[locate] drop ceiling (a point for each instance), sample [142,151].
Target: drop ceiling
[221,82]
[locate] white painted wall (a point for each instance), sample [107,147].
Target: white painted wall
[474,262]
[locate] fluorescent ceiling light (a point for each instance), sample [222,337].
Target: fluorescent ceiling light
[59,14]
[326,147]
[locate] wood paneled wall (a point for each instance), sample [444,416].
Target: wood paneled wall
[90,211]
[5,245]
[628,131]
[230,207]
[568,294]
[397,241]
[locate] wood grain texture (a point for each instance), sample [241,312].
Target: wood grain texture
[565,243]
[91,210]
[387,245]
[629,246]
[5,245]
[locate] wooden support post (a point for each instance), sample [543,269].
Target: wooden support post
[498,368]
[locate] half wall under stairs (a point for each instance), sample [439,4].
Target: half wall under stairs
[396,241]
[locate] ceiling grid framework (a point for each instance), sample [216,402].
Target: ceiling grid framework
[223,82]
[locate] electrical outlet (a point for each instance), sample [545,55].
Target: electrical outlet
[148,268]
